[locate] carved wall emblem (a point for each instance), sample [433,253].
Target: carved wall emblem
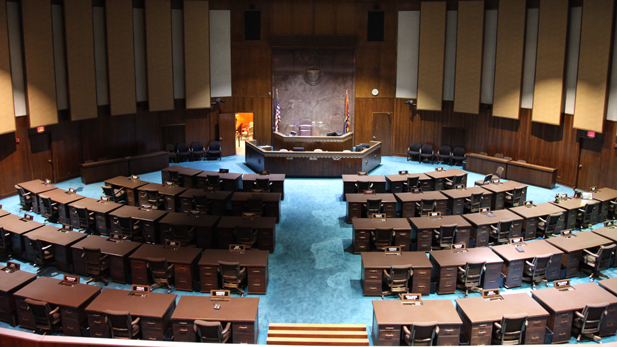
[313,75]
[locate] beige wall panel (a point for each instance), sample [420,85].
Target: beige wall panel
[7,114]
[509,58]
[469,56]
[593,65]
[550,61]
[80,59]
[158,55]
[39,56]
[432,50]
[120,56]
[197,54]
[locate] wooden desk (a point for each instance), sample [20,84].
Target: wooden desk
[204,227]
[390,315]
[423,230]
[101,211]
[117,250]
[61,241]
[362,227]
[241,312]
[572,205]
[98,171]
[610,285]
[218,199]
[609,233]
[129,185]
[310,143]
[562,304]
[573,245]
[349,183]
[143,195]
[373,264]
[231,181]
[71,299]
[153,310]
[481,225]
[277,180]
[541,176]
[355,202]
[35,188]
[171,194]
[10,282]
[606,196]
[396,183]
[439,177]
[255,261]
[408,202]
[484,164]
[531,215]
[148,162]
[514,261]
[265,226]
[62,198]
[499,193]
[18,226]
[271,201]
[188,176]
[4,213]
[456,198]
[149,221]
[183,259]
[479,314]
[446,263]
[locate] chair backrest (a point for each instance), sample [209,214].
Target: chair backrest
[108,191]
[499,172]
[400,274]
[180,233]
[362,186]
[22,196]
[512,328]
[553,219]
[458,179]
[41,313]
[540,263]
[517,193]
[473,274]
[214,146]
[498,155]
[605,255]
[83,215]
[384,237]
[174,175]
[200,201]
[445,150]
[262,183]
[244,235]
[196,146]
[182,148]
[126,226]
[93,260]
[427,149]
[504,228]
[475,202]
[120,324]
[211,332]
[158,268]
[459,152]
[593,315]
[46,204]
[422,333]
[214,180]
[427,205]
[487,179]
[415,147]
[39,253]
[152,194]
[230,271]
[446,234]
[5,239]
[413,182]
[255,204]
[373,205]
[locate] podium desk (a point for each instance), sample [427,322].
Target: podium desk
[117,250]
[562,304]
[62,198]
[390,315]
[374,263]
[423,228]
[277,180]
[607,197]
[183,259]
[532,214]
[203,225]
[61,240]
[456,198]
[18,226]
[265,226]
[349,183]
[481,225]
[10,282]
[439,178]
[153,310]
[187,177]
[231,181]
[479,314]
[218,200]
[101,211]
[271,203]
[255,261]
[571,207]
[362,228]
[514,261]
[408,202]
[446,263]
[396,183]
[241,312]
[72,300]
[36,187]
[355,202]
[499,191]
[148,219]
[129,186]
[573,246]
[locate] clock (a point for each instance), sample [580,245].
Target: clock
[375,92]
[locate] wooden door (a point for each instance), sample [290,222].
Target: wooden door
[227,133]
[590,172]
[41,159]
[382,131]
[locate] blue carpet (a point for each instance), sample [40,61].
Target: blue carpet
[314,277]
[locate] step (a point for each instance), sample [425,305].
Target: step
[318,333]
[303,326]
[300,341]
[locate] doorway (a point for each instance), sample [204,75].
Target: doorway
[244,130]
[590,163]
[41,159]
[382,131]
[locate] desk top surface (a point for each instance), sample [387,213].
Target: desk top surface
[574,203]
[53,235]
[488,157]
[18,225]
[50,290]
[446,257]
[480,310]
[255,222]
[171,190]
[609,284]
[576,299]
[119,248]
[181,218]
[125,182]
[403,178]
[62,196]
[138,213]
[536,210]
[200,307]
[271,177]
[94,205]
[366,178]
[464,193]
[608,232]
[9,281]
[187,171]
[4,213]
[178,255]
[224,176]
[362,198]
[252,257]
[381,260]
[503,186]
[211,195]
[434,223]
[149,305]
[244,196]
[532,249]
[415,197]
[445,173]
[36,186]
[494,217]
[578,241]
[605,194]
[394,312]
[372,224]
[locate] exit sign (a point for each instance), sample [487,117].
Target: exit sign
[40,129]
[591,134]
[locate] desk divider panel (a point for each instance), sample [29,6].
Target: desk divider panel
[159,56]
[432,52]
[7,115]
[197,54]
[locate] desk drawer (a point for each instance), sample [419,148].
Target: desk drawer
[373,275]
[372,288]
[243,328]
[424,245]
[100,331]
[361,246]
[449,330]
[206,287]
[447,340]
[448,272]
[362,235]
[421,285]
[69,313]
[71,327]
[447,285]
[257,271]
[389,335]
[184,332]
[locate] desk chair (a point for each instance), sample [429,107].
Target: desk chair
[96,264]
[197,150]
[548,226]
[444,237]
[498,155]
[427,152]
[214,181]
[535,271]
[121,324]
[201,203]
[483,182]
[510,330]
[583,216]
[470,276]
[593,263]
[514,199]
[49,209]
[232,275]
[162,273]
[25,199]
[171,149]
[45,319]
[174,176]
[502,233]
[412,182]
[5,242]
[214,150]
[499,173]
[372,206]
[255,204]
[115,195]
[182,151]
[131,230]
[212,332]
[183,233]
[611,209]
[396,279]
[425,206]
[262,183]
[42,254]
[420,334]
[472,203]
[86,219]
[458,155]
[456,180]
[382,238]
[444,154]
[245,236]
[361,186]
[414,151]
[589,321]
[155,199]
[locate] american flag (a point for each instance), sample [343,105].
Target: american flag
[346,126]
[277,116]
